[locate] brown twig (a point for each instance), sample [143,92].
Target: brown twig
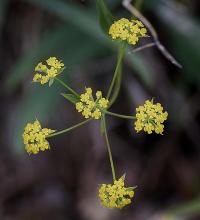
[127,4]
[142,47]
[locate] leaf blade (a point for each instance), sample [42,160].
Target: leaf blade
[105,17]
[71,98]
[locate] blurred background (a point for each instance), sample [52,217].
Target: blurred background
[62,183]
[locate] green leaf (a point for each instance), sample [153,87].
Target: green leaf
[131,188]
[71,98]
[61,70]
[123,176]
[86,21]
[104,15]
[51,82]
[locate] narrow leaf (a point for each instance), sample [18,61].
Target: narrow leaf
[132,188]
[123,176]
[104,15]
[51,82]
[71,98]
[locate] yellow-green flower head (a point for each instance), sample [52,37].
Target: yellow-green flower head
[89,107]
[34,137]
[126,30]
[150,117]
[116,195]
[45,72]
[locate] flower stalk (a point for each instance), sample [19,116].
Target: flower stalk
[117,74]
[68,129]
[119,115]
[66,86]
[149,117]
[109,149]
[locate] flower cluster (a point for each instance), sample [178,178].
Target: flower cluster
[116,195]
[46,72]
[126,30]
[34,137]
[150,118]
[89,107]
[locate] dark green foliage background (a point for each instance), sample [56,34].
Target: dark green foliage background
[63,182]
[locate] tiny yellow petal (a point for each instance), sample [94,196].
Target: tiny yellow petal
[89,107]
[126,30]
[150,117]
[116,195]
[34,137]
[46,72]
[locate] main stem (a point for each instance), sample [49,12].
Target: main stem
[117,69]
[109,149]
[66,86]
[69,129]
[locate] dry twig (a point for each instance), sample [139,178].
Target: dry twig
[127,4]
[142,47]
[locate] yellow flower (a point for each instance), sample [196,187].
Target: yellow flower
[98,94]
[34,137]
[89,107]
[116,195]
[53,62]
[86,112]
[85,97]
[46,72]
[103,103]
[126,30]
[96,114]
[79,106]
[150,118]
[88,91]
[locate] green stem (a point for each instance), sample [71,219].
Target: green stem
[69,129]
[66,86]
[116,87]
[109,149]
[119,115]
[121,53]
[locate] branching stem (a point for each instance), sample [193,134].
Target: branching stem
[119,115]
[69,129]
[66,86]
[121,52]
